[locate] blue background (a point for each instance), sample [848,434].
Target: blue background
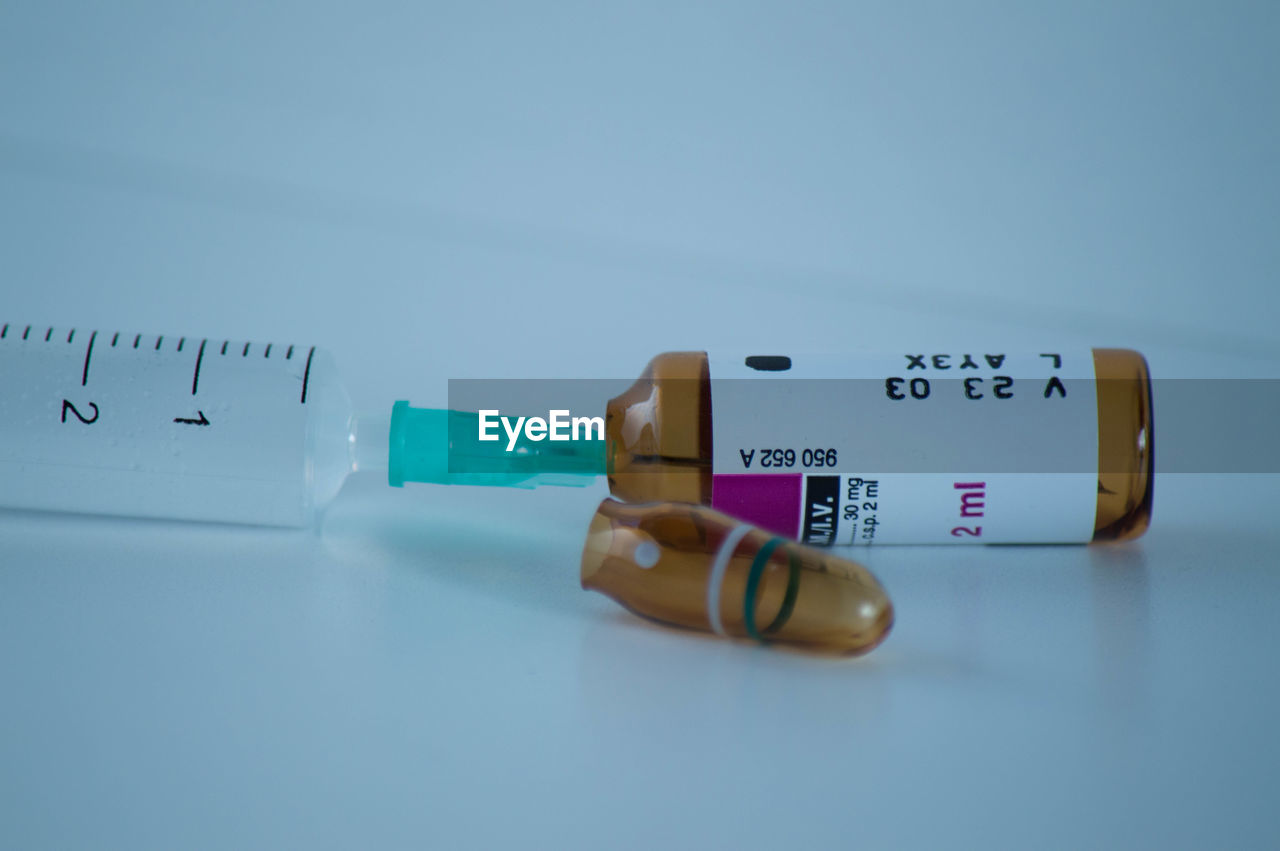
[565,189]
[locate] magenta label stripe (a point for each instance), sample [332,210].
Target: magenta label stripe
[771,502]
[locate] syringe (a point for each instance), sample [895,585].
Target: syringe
[106,422]
[992,447]
[233,431]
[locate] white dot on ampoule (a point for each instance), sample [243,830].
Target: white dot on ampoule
[646,554]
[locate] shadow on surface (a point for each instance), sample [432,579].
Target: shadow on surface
[515,562]
[1122,616]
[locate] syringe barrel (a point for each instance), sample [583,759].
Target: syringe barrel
[167,426]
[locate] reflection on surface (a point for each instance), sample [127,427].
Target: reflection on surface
[1121,603]
[465,538]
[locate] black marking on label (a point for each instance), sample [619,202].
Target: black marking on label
[26,332]
[245,353]
[195,379]
[159,340]
[48,334]
[136,339]
[115,337]
[769,363]
[267,353]
[306,374]
[181,340]
[224,346]
[72,334]
[5,332]
[821,510]
[1055,384]
[202,421]
[88,353]
[289,354]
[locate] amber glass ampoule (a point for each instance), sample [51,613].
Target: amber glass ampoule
[659,434]
[1126,467]
[692,566]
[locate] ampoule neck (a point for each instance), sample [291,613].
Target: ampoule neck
[659,432]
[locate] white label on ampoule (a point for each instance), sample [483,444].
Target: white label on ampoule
[964,446]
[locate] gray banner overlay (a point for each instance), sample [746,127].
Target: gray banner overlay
[1219,425]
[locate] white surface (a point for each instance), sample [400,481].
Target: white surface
[557,191]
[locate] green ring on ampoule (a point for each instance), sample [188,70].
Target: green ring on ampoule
[789,599]
[753,588]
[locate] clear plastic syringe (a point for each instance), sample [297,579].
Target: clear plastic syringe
[210,429]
